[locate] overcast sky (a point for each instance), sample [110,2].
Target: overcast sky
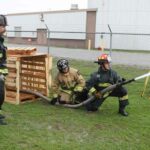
[17,6]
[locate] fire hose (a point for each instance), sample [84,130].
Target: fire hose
[102,92]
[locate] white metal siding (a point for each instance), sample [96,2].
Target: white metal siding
[71,21]
[127,16]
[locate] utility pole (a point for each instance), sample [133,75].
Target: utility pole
[48,48]
[48,38]
[110,49]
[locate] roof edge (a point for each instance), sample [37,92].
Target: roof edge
[56,11]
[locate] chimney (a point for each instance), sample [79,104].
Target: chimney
[74,6]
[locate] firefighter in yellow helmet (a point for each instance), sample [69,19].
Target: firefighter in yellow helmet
[3,68]
[103,78]
[68,84]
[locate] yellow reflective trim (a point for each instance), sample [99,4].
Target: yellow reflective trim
[124,98]
[1,55]
[104,84]
[67,91]
[91,91]
[55,95]
[106,94]
[78,88]
[4,71]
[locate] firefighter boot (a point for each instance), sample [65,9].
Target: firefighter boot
[2,122]
[122,105]
[94,105]
[2,116]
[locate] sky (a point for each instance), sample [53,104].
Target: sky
[17,6]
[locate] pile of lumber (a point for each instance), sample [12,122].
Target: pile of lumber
[21,51]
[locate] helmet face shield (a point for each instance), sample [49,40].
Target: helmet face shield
[109,58]
[62,65]
[3,20]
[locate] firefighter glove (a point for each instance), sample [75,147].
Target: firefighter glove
[78,89]
[2,77]
[121,80]
[53,101]
[98,95]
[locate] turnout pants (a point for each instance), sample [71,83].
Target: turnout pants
[119,92]
[2,92]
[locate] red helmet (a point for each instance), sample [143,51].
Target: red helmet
[104,58]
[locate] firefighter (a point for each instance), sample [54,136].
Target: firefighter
[68,84]
[3,68]
[103,78]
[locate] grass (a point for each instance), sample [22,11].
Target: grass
[40,126]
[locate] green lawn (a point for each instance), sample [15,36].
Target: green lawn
[40,126]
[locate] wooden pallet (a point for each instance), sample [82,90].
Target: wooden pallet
[27,72]
[11,97]
[21,51]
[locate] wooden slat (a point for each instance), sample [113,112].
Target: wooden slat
[12,70]
[10,79]
[33,70]
[32,59]
[33,81]
[24,97]
[11,65]
[12,74]
[42,76]
[8,87]
[32,88]
[11,84]
[11,59]
[10,100]
[11,94]
[33,63]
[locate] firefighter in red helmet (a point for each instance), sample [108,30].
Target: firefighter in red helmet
[103,78]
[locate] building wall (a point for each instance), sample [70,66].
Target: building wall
[125,16]
[56,21]
[70,21]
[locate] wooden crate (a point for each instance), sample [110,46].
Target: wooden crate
[27,72]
